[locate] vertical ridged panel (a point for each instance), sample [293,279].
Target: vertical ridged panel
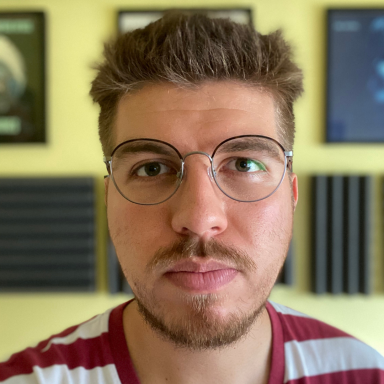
[335,234]
[341,234]
[352,234]
[365,234]
[320,234]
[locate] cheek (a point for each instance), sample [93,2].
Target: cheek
[264,229]
[136,231]
[263,222]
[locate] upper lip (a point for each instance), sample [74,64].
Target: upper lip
[199,266]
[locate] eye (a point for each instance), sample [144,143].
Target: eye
[246,165]
[152,169]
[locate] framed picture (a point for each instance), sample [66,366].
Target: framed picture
[129,20]
[355,75]
[22,77]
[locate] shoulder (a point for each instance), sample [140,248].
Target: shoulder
[316,352]
[80,354]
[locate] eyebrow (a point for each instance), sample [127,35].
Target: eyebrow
[145,147]
[252,145]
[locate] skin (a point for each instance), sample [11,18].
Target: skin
[198,120]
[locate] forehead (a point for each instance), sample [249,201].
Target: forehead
[201,116]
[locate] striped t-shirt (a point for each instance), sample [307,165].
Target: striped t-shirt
[304,351]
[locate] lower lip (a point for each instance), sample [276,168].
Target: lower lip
[202,281]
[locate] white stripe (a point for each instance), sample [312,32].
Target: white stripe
[88,330]
[60,374]
[317,357]
[287,311]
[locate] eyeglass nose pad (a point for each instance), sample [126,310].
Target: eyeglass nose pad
[209,171]
[180,173]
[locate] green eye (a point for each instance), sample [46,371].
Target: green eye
[248,165]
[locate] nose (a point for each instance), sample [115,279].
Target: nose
[199,207]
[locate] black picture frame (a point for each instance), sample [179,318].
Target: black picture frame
[22,77]
[133,19]
[355,76]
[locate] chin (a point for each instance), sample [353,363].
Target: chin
[203,325]
[199,321]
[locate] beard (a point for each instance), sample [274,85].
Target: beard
[197,325]
[198,329]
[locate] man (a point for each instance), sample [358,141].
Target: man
[197,128]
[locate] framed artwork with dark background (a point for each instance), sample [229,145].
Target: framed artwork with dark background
[129,20]
[355,75]
[22,77]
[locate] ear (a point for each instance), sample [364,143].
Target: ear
[295,189]
[106,185]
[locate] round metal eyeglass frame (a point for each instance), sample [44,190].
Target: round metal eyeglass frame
[288,158]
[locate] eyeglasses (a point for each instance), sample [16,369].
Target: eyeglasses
[246,168]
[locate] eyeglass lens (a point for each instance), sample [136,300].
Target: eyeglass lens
[245,169]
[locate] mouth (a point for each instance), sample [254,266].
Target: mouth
[201,277]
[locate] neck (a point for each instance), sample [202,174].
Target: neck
[157,360]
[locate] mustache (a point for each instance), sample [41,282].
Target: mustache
[183,249]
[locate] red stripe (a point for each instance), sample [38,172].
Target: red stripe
[80,353]
[276,372]
[122,358]
[304,328]
[64,333]
[356,376]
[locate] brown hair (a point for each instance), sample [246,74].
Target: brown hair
[190,49]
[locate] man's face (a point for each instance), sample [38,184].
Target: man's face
[221,256]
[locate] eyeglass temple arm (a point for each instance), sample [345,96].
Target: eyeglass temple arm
[107,162]
[289,157]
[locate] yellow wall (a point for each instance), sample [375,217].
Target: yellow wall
[75,31]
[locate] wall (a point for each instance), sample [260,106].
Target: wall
[75,31]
